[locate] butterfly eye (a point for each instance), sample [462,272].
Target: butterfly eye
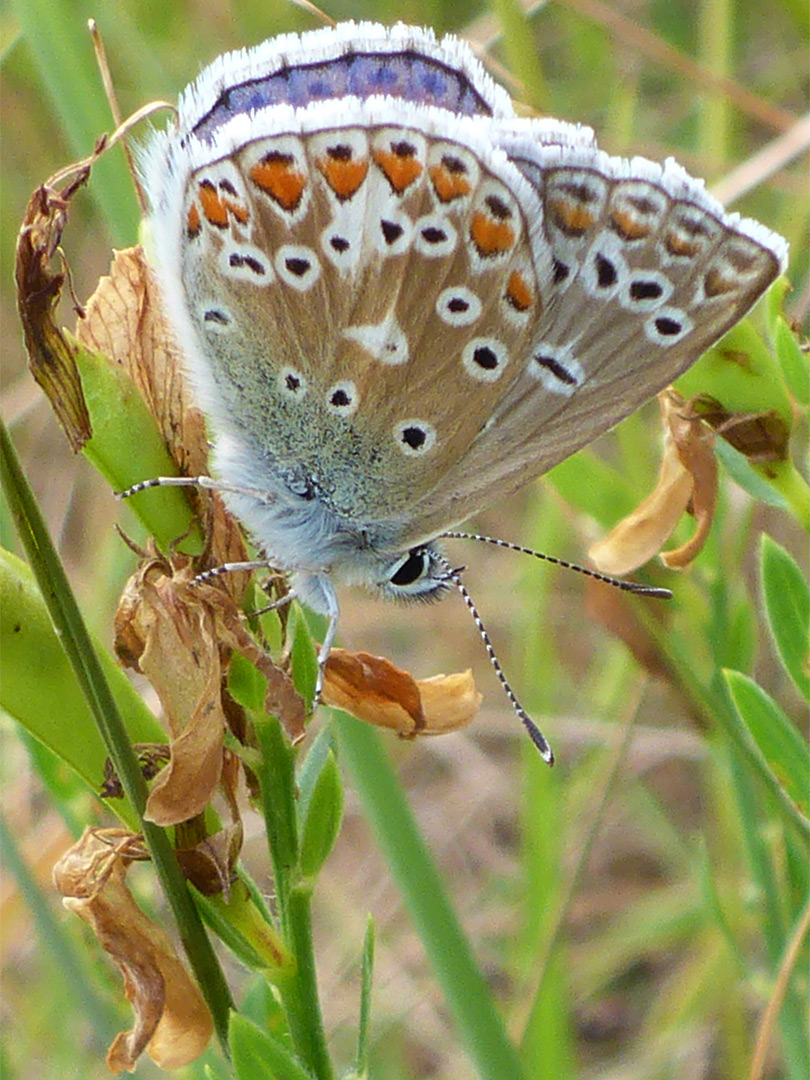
[411,568]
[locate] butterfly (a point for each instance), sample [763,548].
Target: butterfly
[398,301]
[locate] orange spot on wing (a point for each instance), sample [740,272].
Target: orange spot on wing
[449,185]
[238,211]
[716,283]
[277,177]
[193,221]
[343,177]
[518,292]
[212,206]
[491,237]
[628,226]
[679,245]
[571,217]
[400,169]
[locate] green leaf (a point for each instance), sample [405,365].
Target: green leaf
[258,1056]
[787,604]
[793,361]
[243,928]
[365,999]
[304,656]
[311,768]
[40,690]
[212,1073]
[321,817]
[247,685]
[782,747]
[741,373]
[262,1005]
[127,447]
[276,774]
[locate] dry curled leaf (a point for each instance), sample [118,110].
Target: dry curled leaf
[50,356]
[164,628]
[209,865]
[172,1022]
[209,861]
[687,480]
[373,689]
[180,633]
[762,437]
[151,758]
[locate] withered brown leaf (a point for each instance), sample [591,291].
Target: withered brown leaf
[172,1021]
[179,633]
[51,357]
[375,690]
[687,480]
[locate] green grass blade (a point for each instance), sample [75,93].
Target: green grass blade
[787,605]
[365,1000]
[425,897]
[35,673]
[784,751]
[62,51]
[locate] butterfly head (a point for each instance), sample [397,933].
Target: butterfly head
[418,574]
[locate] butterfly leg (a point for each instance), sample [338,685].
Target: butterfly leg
[207,482]
[332,612]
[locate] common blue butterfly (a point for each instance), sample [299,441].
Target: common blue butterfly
[398,301]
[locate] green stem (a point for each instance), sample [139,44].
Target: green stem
[306,1021]
[70,626]
[790,483]
[299,991]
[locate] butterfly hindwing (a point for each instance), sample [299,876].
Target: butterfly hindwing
[648,273]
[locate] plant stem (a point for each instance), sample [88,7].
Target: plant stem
[299,991]
[306,1021]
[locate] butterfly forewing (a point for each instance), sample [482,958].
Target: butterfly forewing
[352,285]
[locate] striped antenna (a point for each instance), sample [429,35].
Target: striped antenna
[535,734]
[635,587]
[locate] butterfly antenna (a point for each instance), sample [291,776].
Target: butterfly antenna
[635,587]
[535,734]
